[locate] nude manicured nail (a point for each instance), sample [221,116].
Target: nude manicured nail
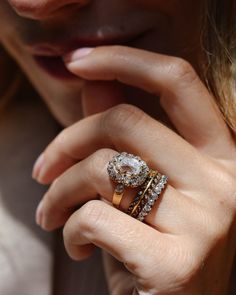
[38,166]
[77,54]
[39,214]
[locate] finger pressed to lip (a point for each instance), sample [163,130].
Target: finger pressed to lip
[184,97]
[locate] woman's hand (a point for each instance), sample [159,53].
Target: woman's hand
[188,243]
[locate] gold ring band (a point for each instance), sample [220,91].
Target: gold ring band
[118,195]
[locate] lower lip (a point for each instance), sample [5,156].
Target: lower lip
[55,67]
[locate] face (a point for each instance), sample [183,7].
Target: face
[37,33]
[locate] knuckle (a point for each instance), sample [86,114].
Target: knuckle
[121,119]
[182,71]
[92,216]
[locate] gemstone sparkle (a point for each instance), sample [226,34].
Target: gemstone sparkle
[128,169]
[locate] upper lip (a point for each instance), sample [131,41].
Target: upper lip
[62,48]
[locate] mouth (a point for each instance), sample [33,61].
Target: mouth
[49,56]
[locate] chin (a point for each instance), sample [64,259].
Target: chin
[62,98]
[66,110]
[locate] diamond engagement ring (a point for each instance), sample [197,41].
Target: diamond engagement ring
[126,170]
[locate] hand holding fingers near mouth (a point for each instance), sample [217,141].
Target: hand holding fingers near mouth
[198,204]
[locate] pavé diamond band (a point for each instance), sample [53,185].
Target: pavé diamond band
[151,197]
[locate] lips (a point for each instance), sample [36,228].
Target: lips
[49,56]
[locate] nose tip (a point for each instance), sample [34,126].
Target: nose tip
[42,9]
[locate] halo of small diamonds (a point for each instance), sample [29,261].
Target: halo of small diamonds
[128,169]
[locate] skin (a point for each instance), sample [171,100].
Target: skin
[28,23]
[187,243]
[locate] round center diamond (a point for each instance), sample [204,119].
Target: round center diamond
[128,169]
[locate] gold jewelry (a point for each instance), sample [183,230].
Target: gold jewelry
[140,199]
[118,195]
[128,170]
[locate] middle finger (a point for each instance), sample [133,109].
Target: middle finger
[124,128]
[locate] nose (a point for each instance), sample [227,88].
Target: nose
[42,9]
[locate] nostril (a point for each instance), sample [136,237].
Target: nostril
[30,9]
[22,7]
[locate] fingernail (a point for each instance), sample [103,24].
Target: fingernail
[39,213]
[77,54]
[38,166]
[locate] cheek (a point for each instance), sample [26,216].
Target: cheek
[9,20]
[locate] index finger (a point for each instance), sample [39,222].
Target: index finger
[183,96]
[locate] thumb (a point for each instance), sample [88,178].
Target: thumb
[98,96]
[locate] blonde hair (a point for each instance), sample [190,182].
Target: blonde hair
[219,43]
[218,73]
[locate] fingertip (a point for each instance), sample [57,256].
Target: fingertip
[76,55]
[38,166]
[38,172]
[39,213]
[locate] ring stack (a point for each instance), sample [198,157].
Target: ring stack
[128,170]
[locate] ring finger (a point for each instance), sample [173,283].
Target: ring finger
[89,178]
